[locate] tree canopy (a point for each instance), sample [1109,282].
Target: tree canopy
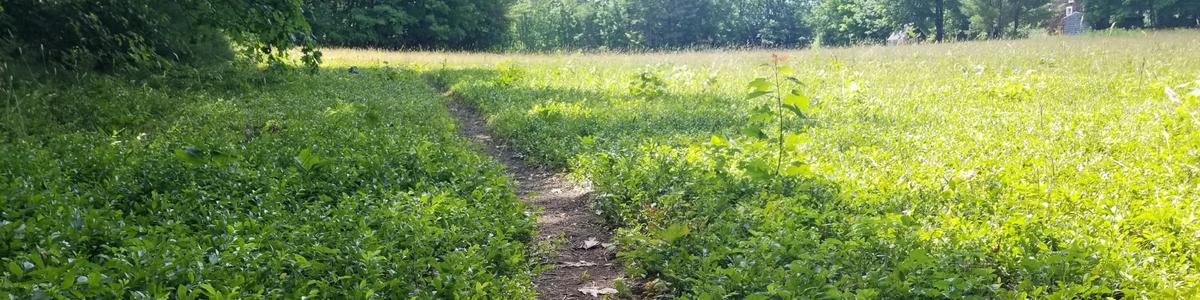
[439,24]
[1143,14]
[113,35]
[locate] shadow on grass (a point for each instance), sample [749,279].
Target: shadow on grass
[565,117]
[736,229]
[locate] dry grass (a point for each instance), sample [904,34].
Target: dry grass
[742,57]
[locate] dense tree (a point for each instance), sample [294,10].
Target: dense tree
[553,24]
[1142,13]
[1006,18]
[676,23]
[842,22]
[442,24]
[113,35]
[625,24]
[775,23]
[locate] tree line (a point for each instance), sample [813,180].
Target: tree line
[623,24]
[133,34]
[425,24]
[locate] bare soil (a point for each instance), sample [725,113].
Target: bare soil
[583,256]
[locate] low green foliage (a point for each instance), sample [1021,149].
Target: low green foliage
[647,84]
[327,186]
[1050,168]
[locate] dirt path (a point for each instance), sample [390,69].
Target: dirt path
[583,257]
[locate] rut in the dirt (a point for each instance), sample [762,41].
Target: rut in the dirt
[584,260]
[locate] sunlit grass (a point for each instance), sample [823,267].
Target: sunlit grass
[1054,162]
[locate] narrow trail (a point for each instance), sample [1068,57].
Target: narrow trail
[583,257]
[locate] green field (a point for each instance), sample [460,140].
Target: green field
[329,185]
[1051,167]
[1054,167]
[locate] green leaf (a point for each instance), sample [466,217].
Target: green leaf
[785,70]
[759,296]
[795,80]
[68,281]
[310,161]
[14,269]
[300,260]
[795,110]
[369,255]
[760,85]
[759,116]
[793,140]
[718,141]
[190,155]
[798,99]
[756,94]
[93,281]
[798,169]
[222,158]
[758,169]
[326,250]
[183,293]
[674,232]
[212,292]
[754,131]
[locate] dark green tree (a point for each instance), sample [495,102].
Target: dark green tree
[774,23]
[676,23]
[1006,18]
[116,35]
[845,22]
[395,24]
[1142,13]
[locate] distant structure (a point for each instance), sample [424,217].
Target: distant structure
[906,36]
[1070,22]
[900,37]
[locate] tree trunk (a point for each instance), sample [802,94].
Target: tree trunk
[1016,18]
[996,28]
[940,23]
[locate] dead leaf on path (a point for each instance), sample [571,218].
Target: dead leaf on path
[579,264]
[590,243]
[595,292]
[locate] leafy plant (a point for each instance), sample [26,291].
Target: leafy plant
[647,84]
[282,191]
[311,162]
[789,98]
[509,74]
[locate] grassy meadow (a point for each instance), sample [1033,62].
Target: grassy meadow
[1055,167]
[1047,168]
